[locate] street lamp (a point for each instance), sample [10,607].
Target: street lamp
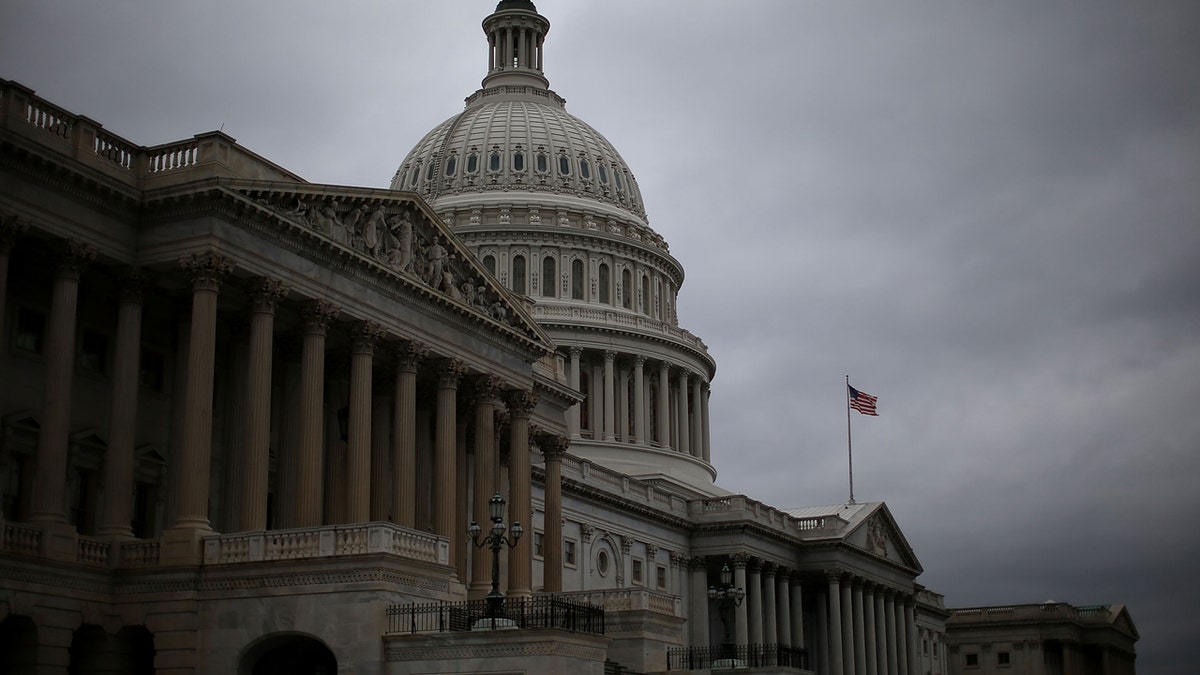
[495,539]
[725,597]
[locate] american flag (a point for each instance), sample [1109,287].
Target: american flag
[863,402]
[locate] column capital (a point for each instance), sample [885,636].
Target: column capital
[131,282]
[696,562]
[664,367]
[610,355]
[521,402]
[639,360]
[678,560]
[553,446]
[651,551]
[364,335]
[586,531]
[317,314]
[450,371]
[486,387]
[834,574]
[575,352]
[12,228]
[207,269]
[409,355]
[265,292]
[501,419]
[769,568]
[73,256]
[740,560]
[626,544]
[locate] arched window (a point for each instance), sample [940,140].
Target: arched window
[585,386]
[626,289]
[549,278]
[415,177]
[494,161]
[451,165]
[542,162]
[576,279]
[604,282]
[489,261]
[585,170]
[603,174]
[518,161]
[646,294]
[564,165]
[652,409]
[518,274]
[429,171]
[473,162]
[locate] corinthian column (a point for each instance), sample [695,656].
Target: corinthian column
[741,623]
[609,383]
[49,496]
[252,462]
[444,469]
[664,407]
[639,400]
[836,655]
[404,468]
[310,441]
[11,229]
[685,445]
[487,472]
[118,460]
[358,441]
[860,638]
[196,448]
[520,508]
[573,413]
[553,447]
[704,427]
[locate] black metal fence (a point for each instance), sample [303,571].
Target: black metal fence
[749,656]
[536,613]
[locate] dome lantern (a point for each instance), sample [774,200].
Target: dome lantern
[516,36]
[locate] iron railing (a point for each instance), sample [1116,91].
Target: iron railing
[748,656]
[540,612]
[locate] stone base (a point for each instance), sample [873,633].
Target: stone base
[495,624]
[183,546]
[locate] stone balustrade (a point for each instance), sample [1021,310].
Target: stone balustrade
[1038,613]
[326,542]
[742,508]
[628,599]
[650,326]
[22,539]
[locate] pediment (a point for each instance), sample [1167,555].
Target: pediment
[396,236]
[879,535]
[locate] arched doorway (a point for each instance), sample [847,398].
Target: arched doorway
[290,654]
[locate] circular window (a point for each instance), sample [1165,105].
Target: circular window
[602,563]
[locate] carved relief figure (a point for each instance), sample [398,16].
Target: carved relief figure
[372,229]
[877,538]
[437,257]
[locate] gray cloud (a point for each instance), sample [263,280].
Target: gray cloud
[986,214]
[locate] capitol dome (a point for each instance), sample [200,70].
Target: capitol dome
[552,210]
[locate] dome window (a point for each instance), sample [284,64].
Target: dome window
[518,161]
[626,289]
[603,174]
[564,165]
[518,274]
[489,261]
[549,282]
[429,171]
[451,165]
[620,183]
[585,171]
[542,164]
[473,162]
[494,161]
[415,177]
[576,279]
[605,296]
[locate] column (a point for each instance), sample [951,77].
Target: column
[783,611]
[910,629]
[705,426]
[698,617]
[697,419]
[901,637]
[11,229]
[889,615]
[871,651]
[847,628]
[252,463]
[770,618]
[881,633]
[381,452]
[553,448]
[310,437]
[639,400]
[118,460]
[681,400]
[404,467]
[797,601]
[753,596]
[288,430]
[821,648]
[449,373]
[624,424]
[196,446]
[836,655]
[741,627]
[520,558]
[573,413]
[664,408]
[487,473]
[49,496]
[358,442]
[610,405]
[860,638]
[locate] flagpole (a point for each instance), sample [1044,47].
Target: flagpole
[849,444]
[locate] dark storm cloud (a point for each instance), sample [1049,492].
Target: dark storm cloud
[985,213]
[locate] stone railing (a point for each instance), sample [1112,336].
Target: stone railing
[21,539]
[84,140]
[741,508]
[629,489]
[606,316]
[326,542]
[93,551]
[1046,611]
[629,599]
[140,553]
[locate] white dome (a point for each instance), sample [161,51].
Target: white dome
[519,139]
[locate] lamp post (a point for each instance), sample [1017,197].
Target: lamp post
[495,539]
[725,597]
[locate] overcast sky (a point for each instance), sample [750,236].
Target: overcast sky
[985,213]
